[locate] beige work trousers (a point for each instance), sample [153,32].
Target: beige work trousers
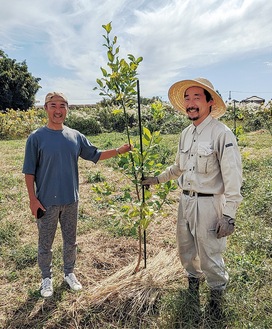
[199,249]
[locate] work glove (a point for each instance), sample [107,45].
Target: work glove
[147,181]
[225,226]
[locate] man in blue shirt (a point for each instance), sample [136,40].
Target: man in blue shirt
[51,176]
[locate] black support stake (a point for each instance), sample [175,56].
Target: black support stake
[141,150]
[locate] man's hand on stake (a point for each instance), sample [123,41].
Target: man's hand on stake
[225,226]
[147,181]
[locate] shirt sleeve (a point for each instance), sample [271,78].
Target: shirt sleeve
[31,156]
[88,151]
[231,169]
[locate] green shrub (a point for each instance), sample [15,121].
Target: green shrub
[19,124]
[86,124]
[112,119]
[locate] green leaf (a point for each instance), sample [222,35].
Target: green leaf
[131,58]
[110,56]
[107,27]
[147,137]
[99,82]
[104,72]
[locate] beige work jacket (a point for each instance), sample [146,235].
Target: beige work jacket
[208,161]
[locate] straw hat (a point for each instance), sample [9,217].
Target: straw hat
[177,91]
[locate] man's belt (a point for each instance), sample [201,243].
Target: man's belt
[191,193]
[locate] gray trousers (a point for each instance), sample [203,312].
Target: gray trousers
[47,225]
[199,249]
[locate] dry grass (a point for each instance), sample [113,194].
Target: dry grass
[163,269]
[125,295]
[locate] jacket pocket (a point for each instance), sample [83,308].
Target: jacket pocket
[206,159]
[183,158]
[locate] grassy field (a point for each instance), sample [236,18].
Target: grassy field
[113,297]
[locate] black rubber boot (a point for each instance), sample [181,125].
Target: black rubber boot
[191,314]
[216,304]
[193,288]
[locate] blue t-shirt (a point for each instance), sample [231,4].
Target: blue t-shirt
[52,157]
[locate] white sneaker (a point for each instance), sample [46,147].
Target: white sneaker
[72,281]
[47,287]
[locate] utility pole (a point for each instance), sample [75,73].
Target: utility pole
[229,95]
[234,117]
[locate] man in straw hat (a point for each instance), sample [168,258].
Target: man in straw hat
[51,175]
[208,169]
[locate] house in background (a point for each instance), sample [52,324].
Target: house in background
[254,100]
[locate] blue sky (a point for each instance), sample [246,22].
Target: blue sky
[226,41]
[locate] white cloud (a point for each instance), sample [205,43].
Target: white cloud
[269,64]
[173,36]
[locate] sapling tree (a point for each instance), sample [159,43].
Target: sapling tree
[119,83]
